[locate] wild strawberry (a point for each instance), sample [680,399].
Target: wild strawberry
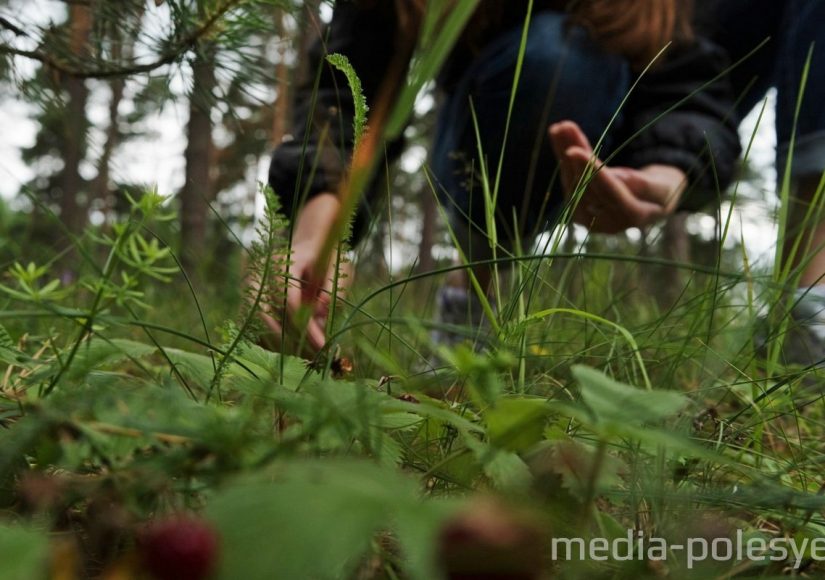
[491,541]
[179,548]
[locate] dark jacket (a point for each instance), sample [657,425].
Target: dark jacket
[699,135]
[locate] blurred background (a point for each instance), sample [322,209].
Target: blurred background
[99,99]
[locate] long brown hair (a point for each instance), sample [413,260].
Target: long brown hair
[636,29]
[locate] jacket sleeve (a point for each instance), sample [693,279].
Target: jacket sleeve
[679,115]
[315,157]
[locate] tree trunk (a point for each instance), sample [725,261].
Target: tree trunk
[282,105]
[196,194]
[676,242]
[309,31]
[429,217]
[101,191]
[72,210]
[100,188]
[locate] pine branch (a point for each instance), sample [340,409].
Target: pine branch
[15,29]
[189,42]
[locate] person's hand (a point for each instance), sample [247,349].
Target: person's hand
[308,293]
[616,198]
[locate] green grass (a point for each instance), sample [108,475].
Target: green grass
[600,404]
[584,454]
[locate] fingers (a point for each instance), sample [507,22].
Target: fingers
[316,333]
[270,322]
[272,338]
[323,299]
[604,187]
[609,205]
[301,300]
[265,312]
[637,182]
[563,136]
[661,184]
[593,200]
[566,134]
[640,195]
[309,300]
[294,298]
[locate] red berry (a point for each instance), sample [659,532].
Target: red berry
[179,548]
[491,541]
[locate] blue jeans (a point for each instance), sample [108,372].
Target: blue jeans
[565,75]
[792,25]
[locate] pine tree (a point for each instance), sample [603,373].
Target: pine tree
[218,44]
[195,196]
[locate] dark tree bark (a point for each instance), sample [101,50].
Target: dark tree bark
[282,106]
[310,29]
[196,192]
[72,210]
[676,242]
[101,190]
[100,187]
[429,221]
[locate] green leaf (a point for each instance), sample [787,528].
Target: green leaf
[16,358]
[400,421]
[418,529]
[506,470]
[388,450]
[436,410]
[98,353]
[16,442]
[516,424]
[195,367]
[257,373]
[267,366]
[577,464]
[482,370]
[23,552]
[316,519]
[9,353]
[95,354]
[163,410]
[612,402]
[6,340]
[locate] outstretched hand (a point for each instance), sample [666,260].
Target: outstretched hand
[309,287]
[615,198]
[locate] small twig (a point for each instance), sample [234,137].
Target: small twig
[129,432]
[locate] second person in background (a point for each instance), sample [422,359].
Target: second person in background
[580,60]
